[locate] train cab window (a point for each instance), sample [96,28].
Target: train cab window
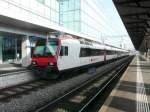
[64,51]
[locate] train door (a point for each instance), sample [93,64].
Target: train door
[68,56]
[105,55]
[74,55]
[63,57]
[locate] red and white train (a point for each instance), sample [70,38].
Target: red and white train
[53,56]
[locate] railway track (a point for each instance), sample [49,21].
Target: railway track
[21,89]
[78,99]
[9,92]
[24,88]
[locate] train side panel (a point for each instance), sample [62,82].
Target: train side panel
[87,60]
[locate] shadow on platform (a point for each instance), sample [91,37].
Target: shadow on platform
[141,66]
[124,104]
[131,87]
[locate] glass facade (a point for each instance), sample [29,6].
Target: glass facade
[83,16]
[93,21]
[70,16]
[10,48]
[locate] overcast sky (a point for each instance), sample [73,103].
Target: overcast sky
[119,34]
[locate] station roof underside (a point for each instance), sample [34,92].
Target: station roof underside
[9,22]
[135,15]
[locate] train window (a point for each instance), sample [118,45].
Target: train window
[103,52]
[88,52]
[111,52]
[41,42]
[108,52]
[96,52]
[64,51]
[84,52]
[48,53]
[39,50]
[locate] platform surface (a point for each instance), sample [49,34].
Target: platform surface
[6,68]
[132,93]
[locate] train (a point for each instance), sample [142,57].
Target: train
[58,54]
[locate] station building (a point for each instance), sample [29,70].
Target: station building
[23,22]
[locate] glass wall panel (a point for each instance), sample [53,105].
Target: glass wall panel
[41,1]
[53,4]
[53,15]
[71,5]
[47,12]
[77,4]
[77,26]
[11,49]
[47,2]
[77,15]
[70,14]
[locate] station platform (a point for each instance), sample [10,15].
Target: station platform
[7,68]
[132,93]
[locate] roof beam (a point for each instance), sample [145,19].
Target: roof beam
[137,23]
[132,3]
[135,14]
[138,16]
[129,1]
[137,27]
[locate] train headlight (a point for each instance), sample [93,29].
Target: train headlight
[50,63]
[33,62]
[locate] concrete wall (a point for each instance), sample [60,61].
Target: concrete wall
[1,49]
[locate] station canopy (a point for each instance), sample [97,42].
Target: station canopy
[135,15]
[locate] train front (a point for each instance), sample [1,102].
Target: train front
[44,59]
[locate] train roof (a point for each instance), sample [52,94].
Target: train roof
[93,40]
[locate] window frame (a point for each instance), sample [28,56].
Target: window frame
[88,52]
[64,50]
